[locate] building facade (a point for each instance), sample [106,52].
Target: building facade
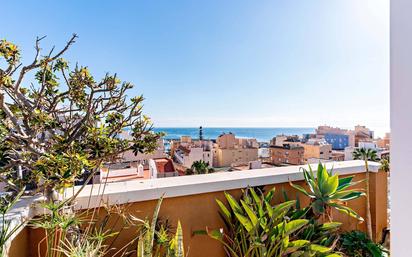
[337,141]
[229,150]
[187,151]
[317,149]
[286,154]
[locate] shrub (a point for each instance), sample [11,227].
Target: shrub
[358,244]
[256,227]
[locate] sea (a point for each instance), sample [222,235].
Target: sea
[261,134]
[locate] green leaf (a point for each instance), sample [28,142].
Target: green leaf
[244,221]
[294,225]
[352,196]
[348,195]
[269,195]
[300,189]
[322,175]
[215,234]
[298,243]
[346,210]
[330,185]
[282,208]
[319,248]
[256,198]
[345,182]
[258,201]
[179,249]
[224,210]
[295,245]
[269,209]
[330,225]
[250,213]
[233,203]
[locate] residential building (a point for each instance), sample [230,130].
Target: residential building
[323,130]
[154,168]
[348,153]
[384,142]
[279,140]
[229,151]
[341,138]
[368,145]
[162,168]
[337,141]
[287,154]
[318,149]
[362,134]
[187,151]
[338,156]
[264,153]
[380,152]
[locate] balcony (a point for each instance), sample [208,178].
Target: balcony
[191,199]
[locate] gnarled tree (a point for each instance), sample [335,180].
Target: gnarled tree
[65,122]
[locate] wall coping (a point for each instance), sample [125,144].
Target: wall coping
[145,190]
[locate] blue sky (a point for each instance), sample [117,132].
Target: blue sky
[227,63]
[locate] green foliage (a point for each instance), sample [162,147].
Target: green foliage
[7,202]
[255,227]
[57,222]
[365,154]
[358,244]
[9,51]
[158,242]
[328,191]
[385,165]
[65,121]
[79,234]
[199,167]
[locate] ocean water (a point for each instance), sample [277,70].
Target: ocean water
[261,134]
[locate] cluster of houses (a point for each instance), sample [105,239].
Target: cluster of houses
[227,153]
[326,144]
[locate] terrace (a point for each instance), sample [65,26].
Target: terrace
[191,200]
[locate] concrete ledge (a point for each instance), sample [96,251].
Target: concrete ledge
[144,190]
[24,210]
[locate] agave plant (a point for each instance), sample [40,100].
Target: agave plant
[328,191]
[166,245]
[257,228]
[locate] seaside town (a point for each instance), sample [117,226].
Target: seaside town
[204,129]
[187,155]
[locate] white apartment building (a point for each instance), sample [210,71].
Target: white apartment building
[187,151]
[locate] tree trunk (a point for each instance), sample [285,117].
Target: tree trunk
[368,205]
[50,194]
